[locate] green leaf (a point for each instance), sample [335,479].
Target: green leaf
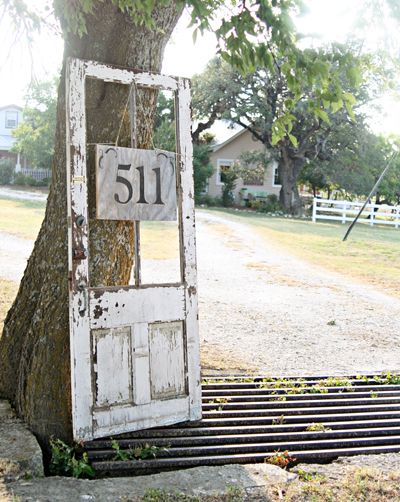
[293,140]
[322,115]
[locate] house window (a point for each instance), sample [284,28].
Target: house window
[223,166]
[11,120]
[276,179]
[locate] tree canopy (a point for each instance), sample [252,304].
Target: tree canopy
[257,33]
[255,101]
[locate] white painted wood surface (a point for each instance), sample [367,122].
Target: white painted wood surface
[125,306]
[133,184]
[166,344]
[345,212]
[134,350]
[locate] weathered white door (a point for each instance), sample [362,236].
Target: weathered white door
[134,349]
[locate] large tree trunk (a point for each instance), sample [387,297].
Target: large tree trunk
[289,169]
[34,347]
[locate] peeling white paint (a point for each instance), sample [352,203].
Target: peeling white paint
[134,350]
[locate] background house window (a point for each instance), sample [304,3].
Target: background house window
[277,178]
[222,167]
[11,120]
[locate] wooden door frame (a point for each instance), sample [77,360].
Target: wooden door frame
[78,231]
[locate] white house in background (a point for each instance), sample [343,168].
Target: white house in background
[10,118]
[223,157]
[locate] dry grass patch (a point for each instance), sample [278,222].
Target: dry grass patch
[159,240]
[21,217]
[215,357]
[358,485]
[8,291]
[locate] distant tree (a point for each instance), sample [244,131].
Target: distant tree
[258,100]
[35,136]
[353,161]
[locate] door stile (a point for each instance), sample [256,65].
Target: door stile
[78,258]
[188,242]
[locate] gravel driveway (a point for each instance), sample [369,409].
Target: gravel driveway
[264,310]
[275,313]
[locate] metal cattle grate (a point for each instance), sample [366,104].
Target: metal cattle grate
[246,420]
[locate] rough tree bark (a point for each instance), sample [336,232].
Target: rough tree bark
[34,346]
[289,169]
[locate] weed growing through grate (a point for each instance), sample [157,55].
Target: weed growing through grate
[139,452]
[279,420]
[317,427]
[387,378]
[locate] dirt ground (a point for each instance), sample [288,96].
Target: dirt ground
[263,310]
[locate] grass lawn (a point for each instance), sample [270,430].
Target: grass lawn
[371,254]
[159,239]
[21,217]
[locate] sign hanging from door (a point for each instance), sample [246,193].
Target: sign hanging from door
[133,184]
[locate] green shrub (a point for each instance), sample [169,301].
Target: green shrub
[20,179]
[209,201]
[229,179]
[6,171]
[270,204]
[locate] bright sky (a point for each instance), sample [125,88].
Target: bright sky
[327,19]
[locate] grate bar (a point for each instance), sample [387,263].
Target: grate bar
[243,422]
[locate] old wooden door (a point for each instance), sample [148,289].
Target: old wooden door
[134,349]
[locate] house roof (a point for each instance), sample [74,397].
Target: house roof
[11,106]
[229,140]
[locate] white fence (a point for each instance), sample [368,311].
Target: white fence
[344,211]
[37,174]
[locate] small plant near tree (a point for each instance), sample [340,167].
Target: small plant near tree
[280,458]
[69,460]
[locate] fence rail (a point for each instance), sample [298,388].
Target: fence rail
[37,174]
[344,211]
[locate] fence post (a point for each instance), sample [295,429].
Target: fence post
[344,207]
[372,214]
[396,221]
[314,210]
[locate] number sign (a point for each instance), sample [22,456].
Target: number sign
[134,184]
